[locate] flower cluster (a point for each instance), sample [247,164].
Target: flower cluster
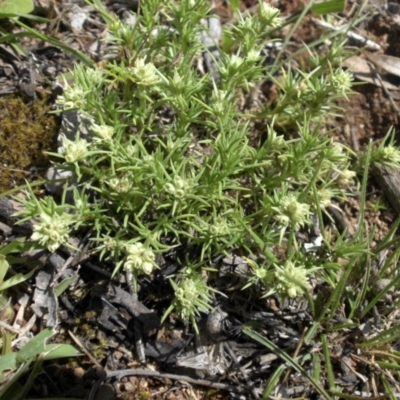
[342,80]
[145,74]
[346,178]
[292,213]
[325,196]
[219,227]
[190,294]
[178,188]
[231,65]
[103,133]
[388,153]
[52,230]
[140,259]
[72,98]
[186,294]
[120,185]
[218,102]
[269,15]
[75,151]
[292,280]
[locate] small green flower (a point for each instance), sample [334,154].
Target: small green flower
[261,273]
[302,87]
[52,230]
[292,280]
[140,259]
[337,153]
[177,81]
[253,56]
[346,178]
[342,80]
[190,294]
[75,151]
[246,25]
[231,65]
[325,197]
[131,150]
[218,101]
[73,97]
[178,188]
[277,142]
[235,61]
[269,15]
[292,213]
[220,227]
[110,243]
[103,132]
[120,185]
[186,294]
[115,26]
[145,74]
[388,153]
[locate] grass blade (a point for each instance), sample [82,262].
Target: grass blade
[334,301]
[328,7]
[289,360]
[383,338]
[273,381]
[328,364]
[33,33]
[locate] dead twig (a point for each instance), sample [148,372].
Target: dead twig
[8,327]
[84,349]
[367,43]
[156,374]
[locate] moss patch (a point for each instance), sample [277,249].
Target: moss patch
[27,130]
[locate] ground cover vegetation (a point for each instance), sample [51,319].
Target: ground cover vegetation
[175,163]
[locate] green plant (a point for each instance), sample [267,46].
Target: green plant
[176,159]
[16,7]
[5,259]
[191,295]
[28,360]
[6,309]
[359,290]
[14,364]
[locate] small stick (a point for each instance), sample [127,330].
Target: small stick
[23,301]
[8,327]
[156,374]
[369,44]
[84,349]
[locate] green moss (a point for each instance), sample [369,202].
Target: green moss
[27,130]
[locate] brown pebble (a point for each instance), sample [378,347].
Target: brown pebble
[79,372]
[133,380]
[127,386]
[143,384]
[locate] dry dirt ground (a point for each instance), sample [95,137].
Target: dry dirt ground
[26,98]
